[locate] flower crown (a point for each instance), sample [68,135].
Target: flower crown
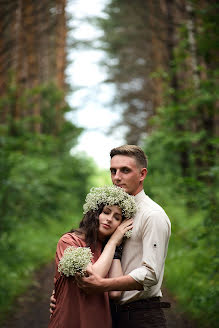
[110,195]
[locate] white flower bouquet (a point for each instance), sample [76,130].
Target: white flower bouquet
[75,260]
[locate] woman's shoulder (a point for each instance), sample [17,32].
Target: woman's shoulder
[72,238]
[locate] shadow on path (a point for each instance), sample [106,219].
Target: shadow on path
[32,309]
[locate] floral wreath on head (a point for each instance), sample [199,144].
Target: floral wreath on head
[110,195]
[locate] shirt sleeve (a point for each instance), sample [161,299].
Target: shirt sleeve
[155,237]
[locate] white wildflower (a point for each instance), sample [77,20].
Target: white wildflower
[128,234]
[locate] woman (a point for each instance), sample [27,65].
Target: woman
[102,229]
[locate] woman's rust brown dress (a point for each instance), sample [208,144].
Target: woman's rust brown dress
[75,309]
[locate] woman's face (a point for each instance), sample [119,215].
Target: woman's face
[109,220]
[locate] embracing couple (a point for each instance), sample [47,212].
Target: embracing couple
[122,286]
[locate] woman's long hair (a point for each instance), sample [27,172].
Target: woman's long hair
[89,226]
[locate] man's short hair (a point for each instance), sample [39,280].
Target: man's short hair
[131,151]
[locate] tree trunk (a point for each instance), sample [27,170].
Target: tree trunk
[171,42]
[30,30]
[192,43]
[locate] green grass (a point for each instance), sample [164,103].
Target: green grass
[24,250]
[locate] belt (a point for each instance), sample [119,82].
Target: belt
[148,303]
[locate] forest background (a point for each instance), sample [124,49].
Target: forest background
[161,56]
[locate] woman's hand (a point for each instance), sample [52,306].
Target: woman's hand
[118,234]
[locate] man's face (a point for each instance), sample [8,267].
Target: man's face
[126,174]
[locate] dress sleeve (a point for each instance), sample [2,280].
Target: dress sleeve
[65,241]
[155,237]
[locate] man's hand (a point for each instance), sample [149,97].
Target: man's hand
[52,304]
[92,283]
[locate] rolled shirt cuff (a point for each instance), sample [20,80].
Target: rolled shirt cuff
[144,277]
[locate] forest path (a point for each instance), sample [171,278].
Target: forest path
[32,308]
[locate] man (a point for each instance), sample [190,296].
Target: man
[144,253]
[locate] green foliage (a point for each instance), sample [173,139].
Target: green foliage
[189,193]
[191,271]
[26,248]
[182,151]
[100,178]
[43,188]
[191,266]
[41,185]
[208,36]
[42,196]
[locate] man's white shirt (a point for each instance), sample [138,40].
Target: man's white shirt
[145,252]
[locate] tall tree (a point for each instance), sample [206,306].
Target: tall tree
[60,51]
[32,53]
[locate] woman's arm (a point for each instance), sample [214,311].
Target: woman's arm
[103,264]
[115,271]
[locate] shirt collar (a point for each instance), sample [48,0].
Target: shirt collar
[139,196]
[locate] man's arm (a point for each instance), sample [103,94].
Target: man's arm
[95,284]
[155,237]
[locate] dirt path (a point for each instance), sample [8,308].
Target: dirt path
[32,308]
